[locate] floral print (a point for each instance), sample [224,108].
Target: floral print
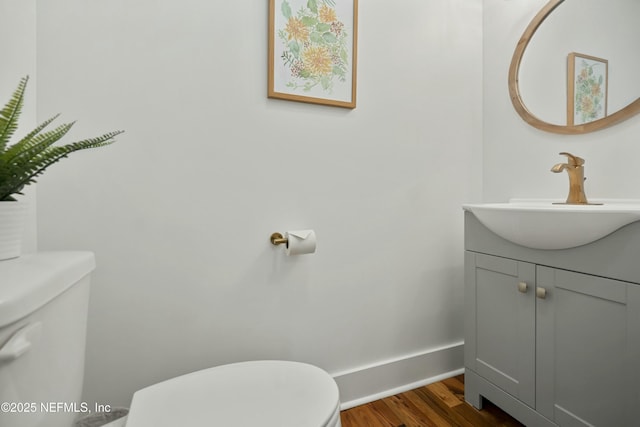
[315,43]
[296,30]
[589,94]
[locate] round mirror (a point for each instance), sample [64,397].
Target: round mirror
[577,73]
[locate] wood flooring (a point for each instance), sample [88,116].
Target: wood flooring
[439,404]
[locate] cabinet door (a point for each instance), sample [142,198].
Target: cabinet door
[588,349]
[500,323]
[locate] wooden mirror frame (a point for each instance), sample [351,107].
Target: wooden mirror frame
[514,91]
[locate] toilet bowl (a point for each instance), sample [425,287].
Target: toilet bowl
[269,393]
[43,316]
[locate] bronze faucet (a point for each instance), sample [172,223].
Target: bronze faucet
[576,178]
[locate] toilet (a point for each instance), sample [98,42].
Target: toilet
[43,315]
[43,327]
[269,393]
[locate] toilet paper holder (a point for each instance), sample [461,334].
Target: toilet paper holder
[278,239]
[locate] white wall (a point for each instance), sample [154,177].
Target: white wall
[518,157]
[180,209]
[18,32]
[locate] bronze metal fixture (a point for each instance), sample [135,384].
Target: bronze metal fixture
[278,239]
[575,169]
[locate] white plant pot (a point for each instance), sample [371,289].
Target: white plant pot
[12,220]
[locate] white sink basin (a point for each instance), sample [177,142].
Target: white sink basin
[541,224]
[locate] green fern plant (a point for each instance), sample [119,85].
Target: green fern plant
[22,162]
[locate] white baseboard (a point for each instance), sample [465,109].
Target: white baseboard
[376,381]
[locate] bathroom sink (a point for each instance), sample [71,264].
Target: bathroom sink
[543,224]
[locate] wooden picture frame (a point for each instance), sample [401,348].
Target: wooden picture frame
[312,51]
[587,87]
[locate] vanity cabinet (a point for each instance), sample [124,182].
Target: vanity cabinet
[553,336]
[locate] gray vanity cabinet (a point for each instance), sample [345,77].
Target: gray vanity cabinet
[587,330]
[502,347]
[551,345]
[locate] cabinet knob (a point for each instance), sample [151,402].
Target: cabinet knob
[541,293]
[523,287]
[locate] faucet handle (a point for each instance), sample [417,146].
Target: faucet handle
[573,160]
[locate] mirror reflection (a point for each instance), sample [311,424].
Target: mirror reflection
[605,29]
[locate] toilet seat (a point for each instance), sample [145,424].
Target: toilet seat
[269,393]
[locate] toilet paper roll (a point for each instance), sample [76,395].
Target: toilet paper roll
[301,242]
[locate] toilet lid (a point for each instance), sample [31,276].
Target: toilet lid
[258,393]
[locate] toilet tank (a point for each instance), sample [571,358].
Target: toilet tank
[43,322]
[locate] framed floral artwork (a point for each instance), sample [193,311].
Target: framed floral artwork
[312,51]
[587,85]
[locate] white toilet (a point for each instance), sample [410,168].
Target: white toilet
[43,315]
[43,320]
[269,393]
